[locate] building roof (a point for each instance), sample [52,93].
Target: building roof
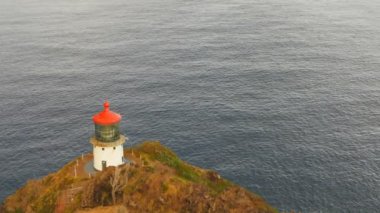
[106,117]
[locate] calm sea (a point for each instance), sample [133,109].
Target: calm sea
[282,97]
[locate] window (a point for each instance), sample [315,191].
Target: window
[107,133]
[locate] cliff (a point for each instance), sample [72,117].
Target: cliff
[155,180]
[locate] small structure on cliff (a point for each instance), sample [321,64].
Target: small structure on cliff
[107,141]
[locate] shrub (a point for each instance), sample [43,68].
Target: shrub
[157,152]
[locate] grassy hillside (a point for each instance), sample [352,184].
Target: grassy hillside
[156,181]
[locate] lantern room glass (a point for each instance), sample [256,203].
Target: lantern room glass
[107,133]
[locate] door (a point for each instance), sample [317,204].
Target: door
[104,164]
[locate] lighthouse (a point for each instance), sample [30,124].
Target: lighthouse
[107,141]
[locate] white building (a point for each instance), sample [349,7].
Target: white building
[107,141]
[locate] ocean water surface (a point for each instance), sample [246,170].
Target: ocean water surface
[281,97]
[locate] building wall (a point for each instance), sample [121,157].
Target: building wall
[112,155]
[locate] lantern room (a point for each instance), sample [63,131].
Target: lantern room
[107,125]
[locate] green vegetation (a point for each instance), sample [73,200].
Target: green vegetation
[164,187]
[19,210]
[155,151]
[149,169]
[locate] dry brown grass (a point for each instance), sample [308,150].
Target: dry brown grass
[158,181]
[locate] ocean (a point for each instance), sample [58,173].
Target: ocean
[281,97]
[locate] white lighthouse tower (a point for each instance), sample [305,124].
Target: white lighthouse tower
[107,141]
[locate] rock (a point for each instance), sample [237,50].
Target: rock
[162,201]
[132,204]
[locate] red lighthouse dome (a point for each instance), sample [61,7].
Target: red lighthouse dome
[106,117]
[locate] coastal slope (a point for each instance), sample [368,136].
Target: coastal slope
[155,180]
